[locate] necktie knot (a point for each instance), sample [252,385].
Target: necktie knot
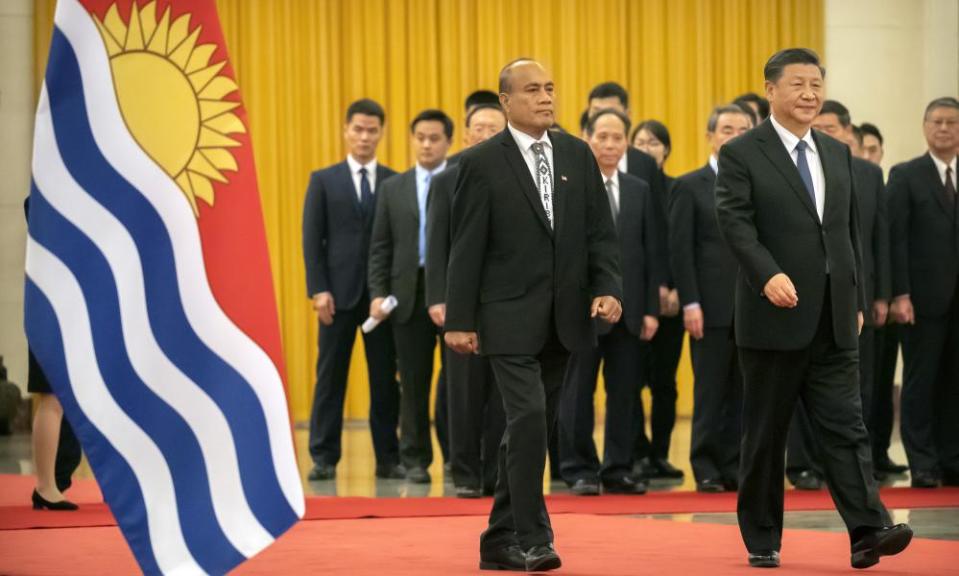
[363,171]
[537,147]
[801,146]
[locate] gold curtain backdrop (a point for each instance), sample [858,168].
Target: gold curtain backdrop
[301,62]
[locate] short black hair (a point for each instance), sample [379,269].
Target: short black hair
[773,70]
[756,99]
[478,107]
[868,128]
[610,90]
[657,129]
[747,110]
[432,114]
[857,133]
[841,112]
[479,98]
[366,107]
[591,122]
[583,120]
[727,109]
[944,102]
[506,71]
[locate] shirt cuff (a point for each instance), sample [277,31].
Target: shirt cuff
[692,306]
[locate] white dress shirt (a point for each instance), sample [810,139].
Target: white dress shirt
[813,159]
[624,162]
[355,173]
[525,143]
[423,179]
[714,163]
[941,167]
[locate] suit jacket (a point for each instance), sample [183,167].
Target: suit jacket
[640,254]
[874,225]
[438,232]
[511,277]
[395,248]
[336,234]
[643,166]
[770,223]
[925,238]
[704,269]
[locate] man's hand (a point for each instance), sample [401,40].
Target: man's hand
[607,308]
[376,311]
[438,314]
[880,311]
[693,321]
[902,311]
[860,320]
[650,325]
[324,307]
[781,292]
[462,342]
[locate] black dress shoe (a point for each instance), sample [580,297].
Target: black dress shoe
[950,478]
[710,486]
[643,468]
[40,503]
[585,487]
[806,480]
[663,469]
[925,479]
[508,558]
[886,541]
[390,471]
[542,558]
[764,559]
[731,485]
[418,475]
[885,465]
[322,472]
[468,492]
[624,485]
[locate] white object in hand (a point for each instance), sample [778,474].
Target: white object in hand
[386,306]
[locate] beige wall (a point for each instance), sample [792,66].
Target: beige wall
[887,59]
[16,129]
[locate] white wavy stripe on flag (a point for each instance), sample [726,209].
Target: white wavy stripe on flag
[211,324]
[149,466]
[151,364]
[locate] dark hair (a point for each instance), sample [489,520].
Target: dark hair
[480,98]
[478,107]
[507,71]
[657,129]
[366,107]
[747,110]
[591,122]
[867,128]
[610,90]
[583,120]
[727,109]
[857,133]
[773,70]
[431,114]
[944,102]
[841,112]
[756,99]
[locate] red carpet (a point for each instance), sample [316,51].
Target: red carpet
[610,546]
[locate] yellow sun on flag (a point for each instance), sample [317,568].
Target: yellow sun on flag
[172,98]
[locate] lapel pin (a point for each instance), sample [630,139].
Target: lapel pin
[562,177]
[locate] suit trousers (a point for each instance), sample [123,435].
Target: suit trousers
[882,415]
[332,370]
[717,406]
[665,350]
[826,379]
[530,387]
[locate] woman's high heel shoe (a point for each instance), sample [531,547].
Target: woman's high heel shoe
[39,503]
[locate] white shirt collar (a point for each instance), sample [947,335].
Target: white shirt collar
[355,165]
[524,140]
[421,172]
[714,163]
[790,140]
[941,167]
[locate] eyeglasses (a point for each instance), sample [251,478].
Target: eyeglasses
[944,122]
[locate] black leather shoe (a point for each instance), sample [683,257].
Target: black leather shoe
[624,485]
[507,558]
[887,541]
[390,471]
[710,486]
[950,478]
[885,465]
[585,487]
[643,468]
[764,559]
[40,503]
[322,472]
[663,469]
[468,492]
[731,485]
[925,479]
[542,558]
[806,480]
[418,475]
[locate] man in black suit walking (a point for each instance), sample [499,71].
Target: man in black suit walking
[622,347]
[337,223]
[533,257]
[705,274]
[786,205]
[397,258]
[925,232]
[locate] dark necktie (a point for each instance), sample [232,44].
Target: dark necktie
[366,193]
[613,206]
[951,200]
[803,165]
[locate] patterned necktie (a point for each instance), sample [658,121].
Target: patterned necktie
[613,206]
[544,180]
[366,193]
[803,165]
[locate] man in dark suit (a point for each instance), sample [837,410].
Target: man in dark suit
[786,205]
[622,347]
[925,259]
[476,419]
[803,466]
[397,258]
[705,274]
[337,223]
[533,257]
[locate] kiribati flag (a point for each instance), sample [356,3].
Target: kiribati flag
[149,298]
